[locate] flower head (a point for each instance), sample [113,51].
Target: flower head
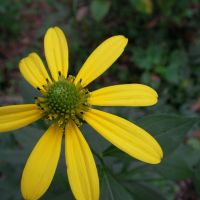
[66,102]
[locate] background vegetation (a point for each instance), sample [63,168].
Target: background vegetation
[163,52]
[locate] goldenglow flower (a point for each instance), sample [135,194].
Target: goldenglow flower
[66,103]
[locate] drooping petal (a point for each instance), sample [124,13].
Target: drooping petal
[18,116]
[125,135]
[41,164]
[33,70]
[101,59]
[81,168]
[124,95]
[56,52]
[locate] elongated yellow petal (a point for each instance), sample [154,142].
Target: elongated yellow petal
[41,164]
[18,116]
[56,52]
[33,70]
[101,59]
[40,66]
[124,95]
[81,168]
[125,135]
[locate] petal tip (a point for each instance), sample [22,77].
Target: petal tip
[156,94]
[32,54]
[155,100]
[57,27]
[50,28]
[125,39]
[49,31]
[159,158]
[155,161]
[21,64]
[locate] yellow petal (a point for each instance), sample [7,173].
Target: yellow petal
[41,164]
[56,52]
[17,116]
[124,95]
[33,70]
[101,59]
[81,168]
[125,135]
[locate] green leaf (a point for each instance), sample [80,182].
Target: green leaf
[192,153]
[96,141]
[149,57]
[28,92]
[174,168]
[10,178]
[142,191]
[181,164]
[176,69]
[99,9]
[144,6]
[59,188]
[26,139]
[111,189]
[169,130]
[195,143]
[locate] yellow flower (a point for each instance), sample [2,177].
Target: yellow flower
[66,103]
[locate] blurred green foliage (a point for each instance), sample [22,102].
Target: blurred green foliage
[163,52]
[10,17]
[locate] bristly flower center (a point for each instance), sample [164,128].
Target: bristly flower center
[63,100]
[62,97]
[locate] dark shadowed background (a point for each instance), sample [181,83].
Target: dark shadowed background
[163,52]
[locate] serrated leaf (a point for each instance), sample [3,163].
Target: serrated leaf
[174,168]
[180,164]
[111,189]
[189,154]
[142,191]
[99,9]
[169,130]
